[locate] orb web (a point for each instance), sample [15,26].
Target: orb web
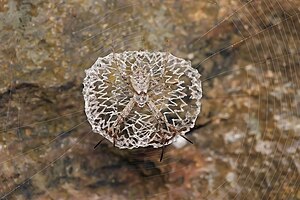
[248,59]
[174,94]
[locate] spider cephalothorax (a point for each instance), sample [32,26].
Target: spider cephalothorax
[140,81]
[140,98]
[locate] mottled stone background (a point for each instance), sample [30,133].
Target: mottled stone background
[247,137]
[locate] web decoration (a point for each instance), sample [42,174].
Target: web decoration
[139,98]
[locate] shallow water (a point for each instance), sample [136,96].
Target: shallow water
[246,140]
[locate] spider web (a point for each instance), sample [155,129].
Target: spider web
[175,92]
[246,139]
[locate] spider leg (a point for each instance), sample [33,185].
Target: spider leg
[122,73]
[120,119]
[176,131]
[158,84]
[162,152]
[186,139]
[160,117]
[99,143]
[161,120]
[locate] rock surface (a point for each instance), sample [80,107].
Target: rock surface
[246,140]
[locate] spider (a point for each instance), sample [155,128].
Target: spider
[146,74]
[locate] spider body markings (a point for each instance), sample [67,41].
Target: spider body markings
[139,83]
